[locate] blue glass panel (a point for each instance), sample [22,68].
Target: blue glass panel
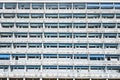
[97,67]
[65,67]
[37,5]
[65,5]
[93,6]
[50,55]
[65,15]
[80,15]
[117,5]
[106,5]
[63,45]
[51,15]
[49,67]
[24,5]
[1,5]
[78,5]
[80,55]
[33,54]
[10,5]
[4,56]
[33,67]
[97,55]
[81,67]
[52,5]
[18,54]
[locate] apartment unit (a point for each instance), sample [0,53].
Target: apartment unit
[59,40]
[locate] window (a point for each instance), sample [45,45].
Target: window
[95,45]
[35,35]
[80,45]
[90,15]
[1,5]
[51,25]
[79,25]
[9,15]
[106,5]
[34,56]
[20,35]
[51,15]
[18,56]
[23,5]
[117,5]
[37,5]
[79,15]
[5,45]
[78,5]
[94,25]
[4,56]
[81,56]
[22,25]
[69,56]
[34,45]
[118,16]
[51,5]
[36,25]
[65,25]
[10,5]
[65,35]
[47,56]
[110,35]
[50,35]
[65,45]
[19,45]
[97,68]
[108,45]
[65,15]
[65,5]
[112,57]
[6,35]
[96,56]
[22,15]
[93,6]
[94,35]
[33,67]
[109,25]
[107,15]
[36,15]
[66,67]
[80,35]
[49,67]
[50,45]
[7,25]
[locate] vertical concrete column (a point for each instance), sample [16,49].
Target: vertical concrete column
[90,79]
[7,78]
[40,78]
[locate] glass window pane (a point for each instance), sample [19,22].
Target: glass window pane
[93,6]
[10,5]
[106,5]
[37,5]
[65,5]
[37,15]
[23,5]
[51,5]
[22,15]
[1,5]
[78,5]
[117,5]
[9,15]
